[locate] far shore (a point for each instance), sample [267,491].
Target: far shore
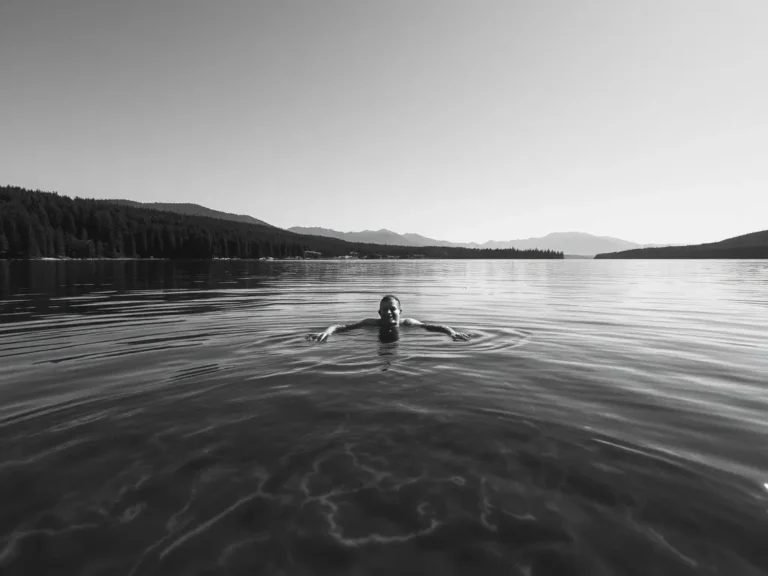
[263,259]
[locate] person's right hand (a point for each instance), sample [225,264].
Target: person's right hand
[460,336]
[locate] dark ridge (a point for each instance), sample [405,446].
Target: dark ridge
[191,210]
[747,246]
[35,224]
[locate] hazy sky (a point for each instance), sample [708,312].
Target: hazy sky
[464,121]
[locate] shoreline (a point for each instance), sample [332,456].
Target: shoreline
[271,259]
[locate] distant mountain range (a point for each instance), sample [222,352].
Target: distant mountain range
[122,228]
[570,243]
[574,244]
[51,225]
[191,210]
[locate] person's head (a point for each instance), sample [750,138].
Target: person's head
[389,311]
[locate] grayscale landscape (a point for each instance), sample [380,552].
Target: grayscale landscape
[368,288]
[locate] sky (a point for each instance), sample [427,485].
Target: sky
[645,120]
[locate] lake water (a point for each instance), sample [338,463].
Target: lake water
[607,417]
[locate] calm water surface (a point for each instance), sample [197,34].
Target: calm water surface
[607,417]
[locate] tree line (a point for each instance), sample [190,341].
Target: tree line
[35,224]
[691,252]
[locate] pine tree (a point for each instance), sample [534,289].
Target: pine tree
[59,243]
[29,239]
[129,246]
[4,245]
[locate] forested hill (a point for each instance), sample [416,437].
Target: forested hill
[191,210]
[754,245]
[36,224]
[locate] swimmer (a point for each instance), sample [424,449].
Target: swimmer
[389,319]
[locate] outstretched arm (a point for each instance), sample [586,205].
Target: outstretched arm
[342,328]
[436,328]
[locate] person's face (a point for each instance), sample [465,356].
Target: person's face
[389,312]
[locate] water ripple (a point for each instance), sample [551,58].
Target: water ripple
[164,418]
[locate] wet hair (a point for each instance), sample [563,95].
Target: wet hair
[390,297]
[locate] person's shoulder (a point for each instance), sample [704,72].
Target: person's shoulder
[369,322]
[410,322]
